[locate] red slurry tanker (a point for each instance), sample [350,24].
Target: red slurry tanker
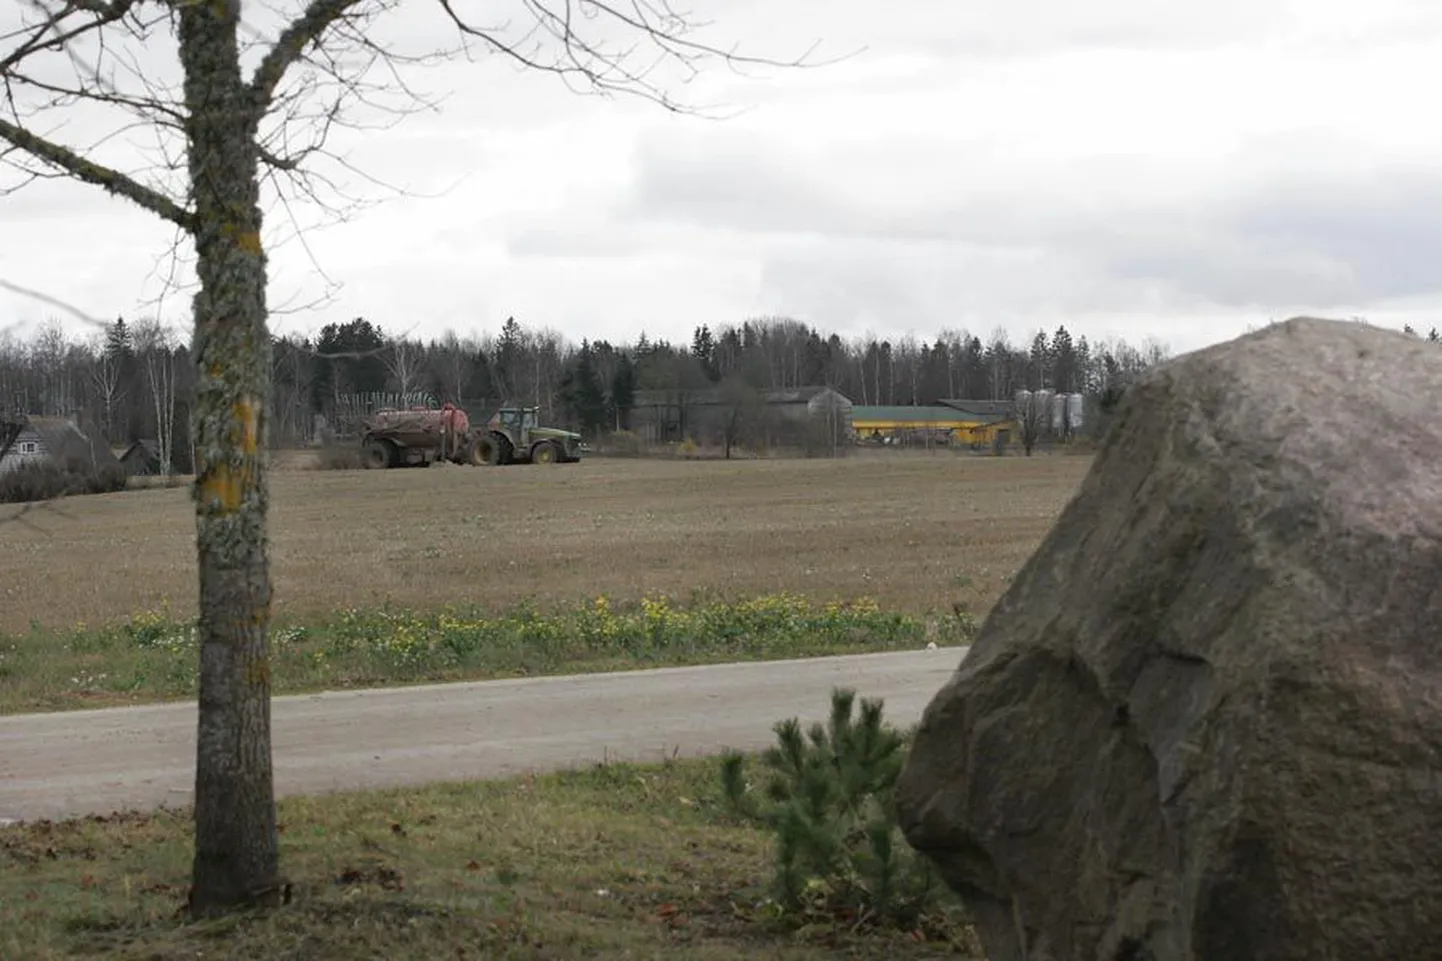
[420,436]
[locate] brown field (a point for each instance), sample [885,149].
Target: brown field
[918,532]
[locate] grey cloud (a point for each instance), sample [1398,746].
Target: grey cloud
[1297,234]
[1385,226]
[572,240]
[854,283]
[845,286]
[734,183]
[1329,240]
[744,183]
[1030,27]
[999,29]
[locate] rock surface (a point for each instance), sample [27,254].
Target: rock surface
[1205,722]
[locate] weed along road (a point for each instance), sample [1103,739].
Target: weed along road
[96,762]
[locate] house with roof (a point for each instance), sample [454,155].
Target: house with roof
[27,440]
[142,459]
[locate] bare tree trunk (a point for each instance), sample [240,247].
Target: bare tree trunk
[166,429]
[160,370]
[236,848]
[404,364]
[105,374]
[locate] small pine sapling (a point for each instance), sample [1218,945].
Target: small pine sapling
[829,800]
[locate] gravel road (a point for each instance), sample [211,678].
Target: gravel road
[94,762]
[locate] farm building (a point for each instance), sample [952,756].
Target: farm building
[975,424]
[54,440]
[142,459]
[785,415]
[1060,414]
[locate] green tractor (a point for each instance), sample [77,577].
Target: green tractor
[512,436]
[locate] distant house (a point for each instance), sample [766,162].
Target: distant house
[660,416]
[51,440]
[142,459]
[975,424]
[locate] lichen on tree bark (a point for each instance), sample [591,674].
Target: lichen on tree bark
[236,847]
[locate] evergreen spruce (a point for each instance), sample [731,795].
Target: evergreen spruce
[623,392]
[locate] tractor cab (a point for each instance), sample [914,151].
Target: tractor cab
[517,418]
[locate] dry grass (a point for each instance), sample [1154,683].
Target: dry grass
[611,862]
[916,532]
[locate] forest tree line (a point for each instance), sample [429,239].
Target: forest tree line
[134,380]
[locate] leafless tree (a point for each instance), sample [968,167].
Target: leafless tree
[225,133]
[404,359]
[107,378]
[743,407]
[155,349]
[455,360]
[1033,417]
[50,357]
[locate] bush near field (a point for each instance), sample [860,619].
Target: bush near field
[46,481]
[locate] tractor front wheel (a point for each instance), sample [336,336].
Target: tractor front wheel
[545,453]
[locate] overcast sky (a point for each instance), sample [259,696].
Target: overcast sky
[1126,167]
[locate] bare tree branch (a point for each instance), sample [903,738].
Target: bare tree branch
[70,309]
[112,181]
[48,35]
[605,70]
[305,30]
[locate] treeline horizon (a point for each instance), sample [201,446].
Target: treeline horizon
[134,380]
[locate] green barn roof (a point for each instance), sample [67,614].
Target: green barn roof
[914,415]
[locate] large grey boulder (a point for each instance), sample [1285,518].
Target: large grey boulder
[1205,722]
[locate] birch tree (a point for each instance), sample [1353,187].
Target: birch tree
[107,380]
[455,363]
[237,100]
[50,356]
[155,350]
[404,359]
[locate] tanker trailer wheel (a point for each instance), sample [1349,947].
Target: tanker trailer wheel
[545,453]
[377,454]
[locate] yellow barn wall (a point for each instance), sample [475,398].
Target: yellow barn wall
[963,430]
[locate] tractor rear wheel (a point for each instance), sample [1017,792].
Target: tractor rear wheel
[377,454]
[476,453]
[488,450]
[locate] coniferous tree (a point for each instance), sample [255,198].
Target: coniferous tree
[623,392]
[829,800]
[582,393]
[703,348]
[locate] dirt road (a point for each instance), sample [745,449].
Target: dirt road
[93,762]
